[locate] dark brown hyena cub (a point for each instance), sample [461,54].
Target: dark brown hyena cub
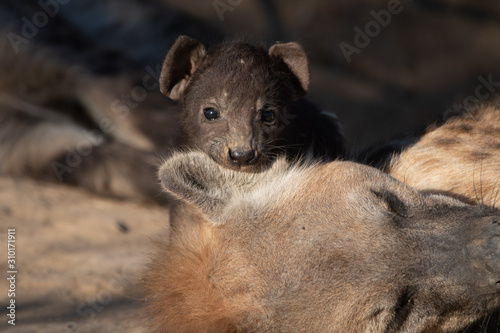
[241,103]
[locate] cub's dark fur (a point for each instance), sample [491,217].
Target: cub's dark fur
[241,103]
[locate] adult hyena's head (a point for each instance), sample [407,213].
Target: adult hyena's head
[237,100]
[338,247]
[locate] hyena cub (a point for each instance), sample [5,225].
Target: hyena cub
[241,103]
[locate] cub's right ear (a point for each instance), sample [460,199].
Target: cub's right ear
[182,60]
[294,56]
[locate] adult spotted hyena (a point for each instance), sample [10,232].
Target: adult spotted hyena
[460,158]
[337,247]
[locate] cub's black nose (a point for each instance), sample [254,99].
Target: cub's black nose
[241,157]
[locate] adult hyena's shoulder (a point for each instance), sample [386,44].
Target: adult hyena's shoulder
[460,157]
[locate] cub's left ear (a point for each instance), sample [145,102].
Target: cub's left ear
[295,58]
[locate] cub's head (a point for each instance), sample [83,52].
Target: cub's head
[235,97]
[337,247]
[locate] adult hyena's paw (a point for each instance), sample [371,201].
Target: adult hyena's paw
[112,169]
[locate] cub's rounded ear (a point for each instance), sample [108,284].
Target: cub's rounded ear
[295,58]
[182,60]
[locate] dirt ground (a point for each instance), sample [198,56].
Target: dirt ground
[77,257]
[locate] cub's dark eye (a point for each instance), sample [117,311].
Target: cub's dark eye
[210,113]
[268,116]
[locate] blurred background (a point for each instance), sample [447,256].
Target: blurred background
[385,67]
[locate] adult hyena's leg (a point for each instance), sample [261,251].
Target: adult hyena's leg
[59,150]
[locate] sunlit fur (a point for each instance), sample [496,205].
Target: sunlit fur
[460,158]
[337,247]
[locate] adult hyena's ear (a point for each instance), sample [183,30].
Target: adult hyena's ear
[182,60]
[196,178]
[295,58]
